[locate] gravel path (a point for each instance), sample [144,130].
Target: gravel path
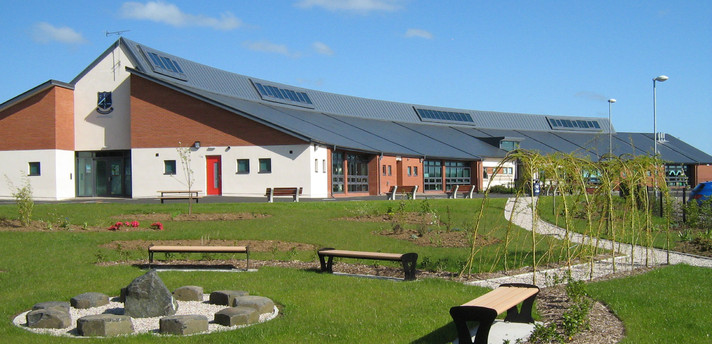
[641,256]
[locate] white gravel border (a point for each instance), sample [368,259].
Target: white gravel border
[142,325]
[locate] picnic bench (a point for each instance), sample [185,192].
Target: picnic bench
[180,194]
[407,259]
[271,193]
[407,190]
[465,190]
[198,249]
[485,309]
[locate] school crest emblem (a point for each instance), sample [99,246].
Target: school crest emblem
[104,103]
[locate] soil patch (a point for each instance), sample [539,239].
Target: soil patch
[8,225]
[255,245]
[157,217]
[439,238]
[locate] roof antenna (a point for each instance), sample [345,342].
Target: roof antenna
[117,33]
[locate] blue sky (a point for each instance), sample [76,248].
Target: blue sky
[541,57]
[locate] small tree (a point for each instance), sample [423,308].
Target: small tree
[23,199]
[185,159]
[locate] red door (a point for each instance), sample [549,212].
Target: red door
[214,173]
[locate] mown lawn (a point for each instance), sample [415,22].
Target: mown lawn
[58,264]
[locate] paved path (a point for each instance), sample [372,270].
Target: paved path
[640,256]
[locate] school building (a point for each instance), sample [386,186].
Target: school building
[115,130]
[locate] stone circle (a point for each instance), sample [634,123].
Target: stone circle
[52,304]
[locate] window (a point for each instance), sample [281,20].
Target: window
[283,95]
[415,171]
[169,167]
[34,169]
[507,170]
[390,171]
[433,175]
[337,172]
[164,64]
[384,170]
[243,166]
[438,116]
[266,165]
[358,173]
[456,173]
[508,145]
[410,171]
[323,165]
[316,165]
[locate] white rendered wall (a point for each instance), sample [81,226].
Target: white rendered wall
[498,178]
[292,166]
[96,131]
[56,179]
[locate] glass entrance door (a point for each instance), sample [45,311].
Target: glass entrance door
[109,177]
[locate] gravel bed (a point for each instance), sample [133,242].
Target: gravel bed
[142,325]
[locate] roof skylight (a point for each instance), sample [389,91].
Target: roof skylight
[573,124]
[427,115]
[283,95]
[164,64]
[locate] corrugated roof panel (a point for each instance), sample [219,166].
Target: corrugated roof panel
[456,138]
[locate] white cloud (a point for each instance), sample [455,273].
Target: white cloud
[322,48]
[45,33]
[418,33]
[163,12]
[363,6]
[269,47]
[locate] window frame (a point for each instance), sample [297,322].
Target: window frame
[166,171]
[242,171]
[32,166]
[268,168]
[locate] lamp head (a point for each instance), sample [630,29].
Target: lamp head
[611,100]
[661,78]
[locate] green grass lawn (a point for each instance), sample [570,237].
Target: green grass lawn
[667,305]
[58,264]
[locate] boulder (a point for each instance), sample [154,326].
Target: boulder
[49,318]
[226,297]
[188,293]
[89,300]
[104,325]
[183,324]
[235,316]
[64,305]
[260,303]
[147,296]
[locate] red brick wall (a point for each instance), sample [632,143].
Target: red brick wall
[703,173]
[405,179]
[64,117]
[161,117]
[42,121]
[388,180]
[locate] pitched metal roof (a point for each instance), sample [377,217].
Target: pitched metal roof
[396,128]
[35,90]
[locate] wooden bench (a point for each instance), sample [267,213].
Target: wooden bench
[407,259]
[466,190]
[485,309]
[271,193]
[180,194]
[406,190]
[198,249]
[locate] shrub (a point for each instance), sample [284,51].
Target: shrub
[25,204]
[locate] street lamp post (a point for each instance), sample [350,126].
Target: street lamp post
[659,78]
[610,129]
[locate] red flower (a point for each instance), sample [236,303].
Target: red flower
[157,226]
[134,224]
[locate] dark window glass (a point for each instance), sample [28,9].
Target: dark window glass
[266,165]
[35,169]
[243,166]
[169,167]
